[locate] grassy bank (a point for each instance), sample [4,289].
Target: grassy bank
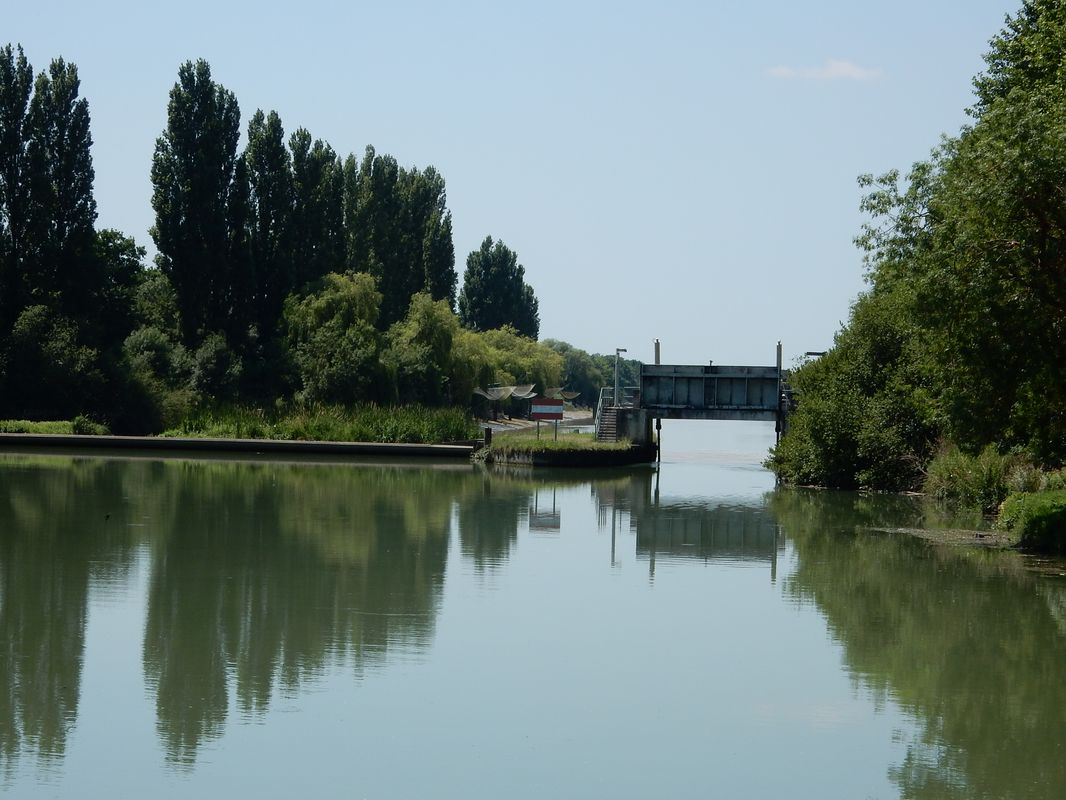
[363,423]
[571,449]
[1037,519]
[1028,502]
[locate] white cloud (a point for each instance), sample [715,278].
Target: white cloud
[831,70]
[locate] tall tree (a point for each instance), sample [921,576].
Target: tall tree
[374,231]
[495,292]
[194,175]
[61,207]
[16,83]
[439,255]
[399,230]
[270,181]
[318,224]
[426,235]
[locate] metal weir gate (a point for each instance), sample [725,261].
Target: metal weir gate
[685,391]
[711,392]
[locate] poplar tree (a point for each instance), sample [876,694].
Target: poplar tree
[399,230]
[198,200]
[16,83]
[271,216]
[61,269]
[318,209]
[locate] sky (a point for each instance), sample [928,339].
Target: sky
[679,170]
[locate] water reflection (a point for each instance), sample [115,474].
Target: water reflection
[702,528]
[970,643]
[274,573]
[263,578]
[62,525]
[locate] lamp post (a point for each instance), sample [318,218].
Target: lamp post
[617,352]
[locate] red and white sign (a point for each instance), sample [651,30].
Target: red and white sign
[545,408]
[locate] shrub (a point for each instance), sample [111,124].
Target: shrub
[1038,518]
[83,426]
[980,481]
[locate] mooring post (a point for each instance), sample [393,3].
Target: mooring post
[780,403]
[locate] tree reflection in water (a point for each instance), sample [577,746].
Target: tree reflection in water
[263,577]
[277,572]
[970,643]
[62,524]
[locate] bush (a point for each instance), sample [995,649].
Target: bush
[980,481]
[1038,518]
[83,426]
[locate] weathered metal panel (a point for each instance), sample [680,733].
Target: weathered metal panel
[674,391]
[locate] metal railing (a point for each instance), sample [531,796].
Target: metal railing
[629,398]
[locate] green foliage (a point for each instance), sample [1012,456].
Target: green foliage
[32,426]
[971,249]
[334,341]
[495,293]
[360,423]
[865,415]
[59,267]
[1039,520]
[582,373]
[398,229]
[419,352]
[318,209]
[981,481]
[271,198]
[216,369]
[83,426]
[515,359]
[196,193]
[526,442]
[56,374]
[16,84]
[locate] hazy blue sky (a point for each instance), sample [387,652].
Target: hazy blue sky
[681,170]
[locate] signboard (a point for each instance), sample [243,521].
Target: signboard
[544,408]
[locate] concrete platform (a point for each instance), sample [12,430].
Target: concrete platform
[40,441]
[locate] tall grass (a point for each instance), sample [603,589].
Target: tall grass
[1038,519]
[526,442]
[79,425]
[363,423]
[980,481]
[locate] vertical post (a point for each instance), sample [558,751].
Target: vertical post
[780,404]
[617,351]
[556,430]
[657,362]
[538,428]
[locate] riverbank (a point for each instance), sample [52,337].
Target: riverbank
[22,442]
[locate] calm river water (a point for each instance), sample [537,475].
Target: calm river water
[239,629]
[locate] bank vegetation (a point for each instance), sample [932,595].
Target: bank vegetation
[948,376]
[294,290]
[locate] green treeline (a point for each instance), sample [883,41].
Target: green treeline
[286,275]
[959,343]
